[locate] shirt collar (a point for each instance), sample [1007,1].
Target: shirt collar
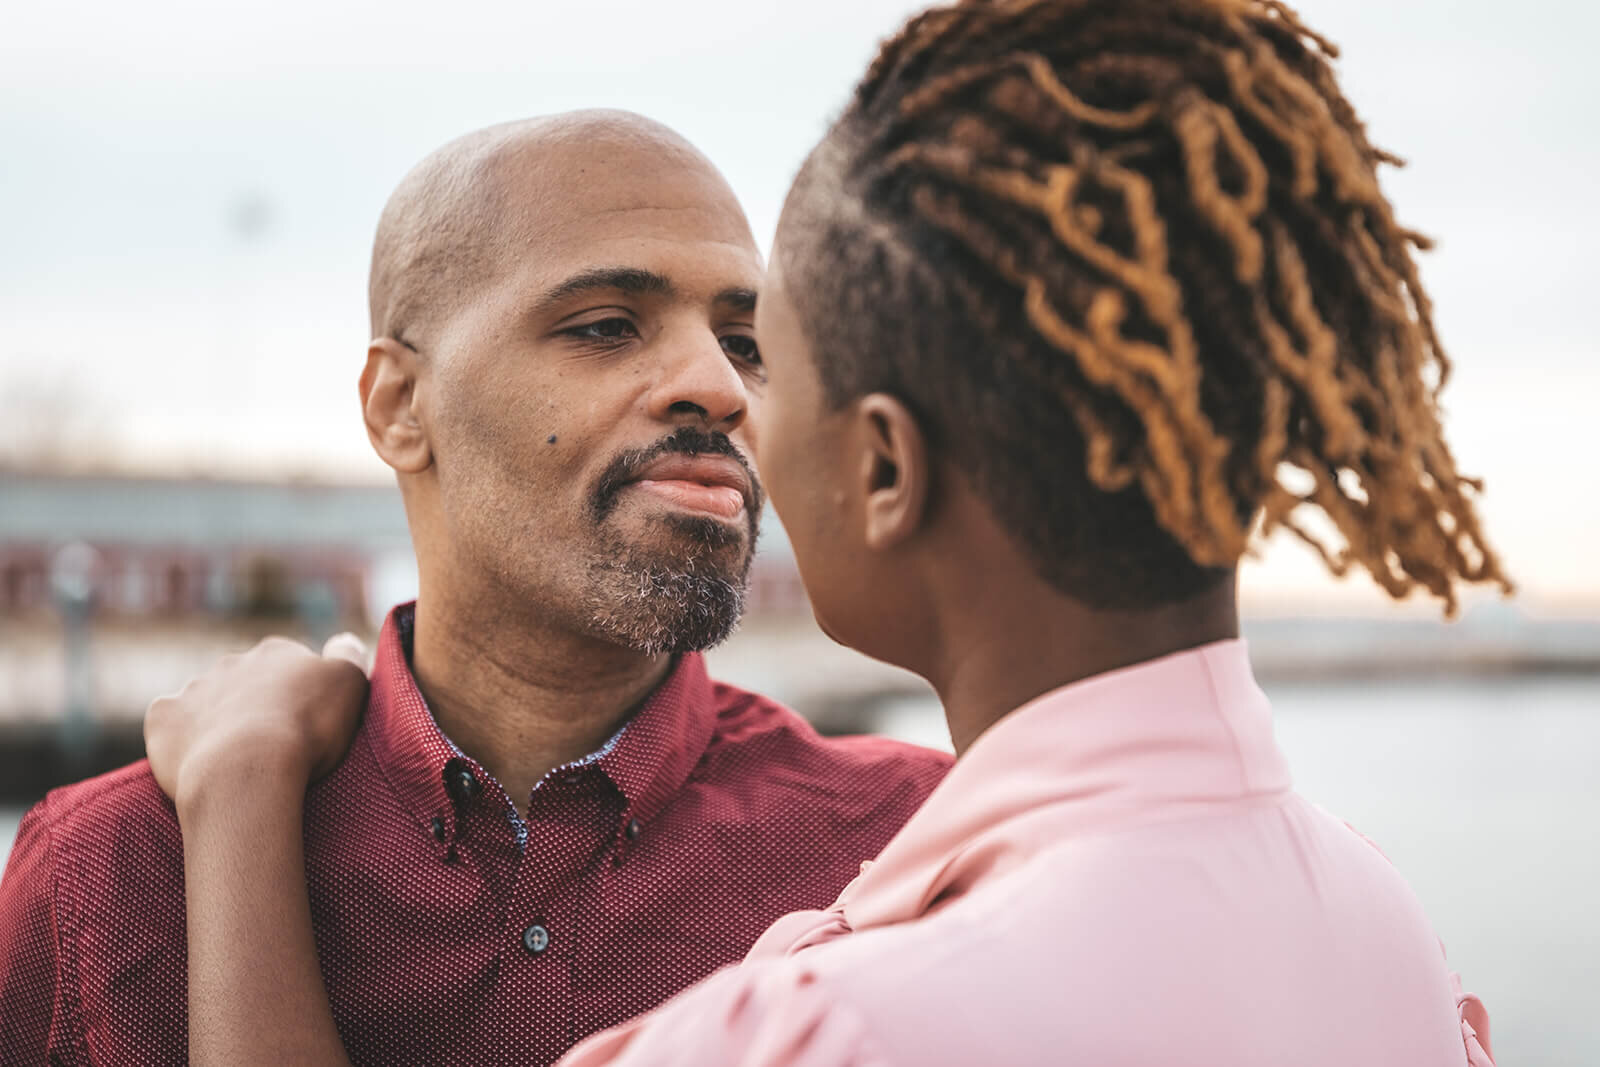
[649,761]
[665,739]
[1162,739]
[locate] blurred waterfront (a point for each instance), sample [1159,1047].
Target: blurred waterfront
[117,588]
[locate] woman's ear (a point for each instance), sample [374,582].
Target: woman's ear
[894,470]
[390,405]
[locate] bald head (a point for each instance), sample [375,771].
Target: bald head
[471,206]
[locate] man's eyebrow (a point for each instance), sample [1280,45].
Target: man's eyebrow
[738,298]
[627,279]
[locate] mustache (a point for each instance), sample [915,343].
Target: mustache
[686,440]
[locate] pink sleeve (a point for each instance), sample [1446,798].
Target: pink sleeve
[1474,1016]
[1474,1024]
[761,1015]
[797,932]
[800,930]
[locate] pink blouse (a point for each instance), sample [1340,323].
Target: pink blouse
[1116,873]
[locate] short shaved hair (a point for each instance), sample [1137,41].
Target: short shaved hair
[448,225]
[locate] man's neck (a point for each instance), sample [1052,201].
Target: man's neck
[523,700]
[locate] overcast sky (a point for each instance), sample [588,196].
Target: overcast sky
[188,189]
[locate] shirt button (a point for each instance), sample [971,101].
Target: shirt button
[536,939]
[459,781]
[633,830]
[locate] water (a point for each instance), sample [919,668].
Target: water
[1484,795]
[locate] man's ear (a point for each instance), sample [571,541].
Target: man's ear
[895,475]
[390,405]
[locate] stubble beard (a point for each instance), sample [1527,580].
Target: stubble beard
[655,602]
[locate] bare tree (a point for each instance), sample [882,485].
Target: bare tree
[51,421]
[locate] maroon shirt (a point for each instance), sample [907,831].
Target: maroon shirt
[444,939]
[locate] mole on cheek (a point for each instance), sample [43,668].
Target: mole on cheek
[550,440]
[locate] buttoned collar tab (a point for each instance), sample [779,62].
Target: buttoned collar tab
[663,742]
[413,755]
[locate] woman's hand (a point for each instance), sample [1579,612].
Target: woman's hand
[236,750]
[278,710]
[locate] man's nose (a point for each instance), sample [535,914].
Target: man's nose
[702,387]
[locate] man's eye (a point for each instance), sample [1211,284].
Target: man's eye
[604,330]
[743,348]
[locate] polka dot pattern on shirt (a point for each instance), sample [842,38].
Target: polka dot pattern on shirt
[715,812]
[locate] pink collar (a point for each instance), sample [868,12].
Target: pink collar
[1164,739]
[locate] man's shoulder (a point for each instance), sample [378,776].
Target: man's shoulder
[98,855]
[103,813]
[91,925]
[753,727]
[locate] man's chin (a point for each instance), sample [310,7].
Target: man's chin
[655,610]
[708,532]
[680,588]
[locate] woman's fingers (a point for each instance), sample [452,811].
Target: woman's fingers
[348,647]
[280,704]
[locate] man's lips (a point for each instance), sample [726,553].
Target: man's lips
[713,485]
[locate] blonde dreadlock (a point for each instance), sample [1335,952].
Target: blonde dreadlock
[1154,225]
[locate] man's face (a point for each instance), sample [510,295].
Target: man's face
[589,411]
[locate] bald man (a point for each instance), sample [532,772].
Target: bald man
[551,819]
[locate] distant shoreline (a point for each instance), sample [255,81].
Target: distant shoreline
[1427,670]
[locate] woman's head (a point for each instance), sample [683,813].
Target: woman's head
[1127,265]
